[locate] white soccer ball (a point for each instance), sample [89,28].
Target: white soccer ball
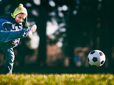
[96,58]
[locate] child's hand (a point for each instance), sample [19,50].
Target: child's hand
[12,44]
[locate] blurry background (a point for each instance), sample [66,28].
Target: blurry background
[67,31]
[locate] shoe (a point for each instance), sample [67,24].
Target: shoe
[31,30]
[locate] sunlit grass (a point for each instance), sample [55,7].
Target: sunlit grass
[57,79]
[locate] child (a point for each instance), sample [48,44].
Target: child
[11,30]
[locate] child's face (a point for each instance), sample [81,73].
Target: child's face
[20,18]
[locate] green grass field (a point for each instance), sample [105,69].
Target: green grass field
[57,79]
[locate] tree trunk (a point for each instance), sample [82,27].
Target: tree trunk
[42,34]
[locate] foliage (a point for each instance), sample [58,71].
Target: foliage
[57,79]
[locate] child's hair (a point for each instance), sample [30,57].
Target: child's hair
[20,9]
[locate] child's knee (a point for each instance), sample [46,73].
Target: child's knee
[10,59]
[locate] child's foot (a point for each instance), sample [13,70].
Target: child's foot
[32,29]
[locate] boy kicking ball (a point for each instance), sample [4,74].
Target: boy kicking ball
[11,30]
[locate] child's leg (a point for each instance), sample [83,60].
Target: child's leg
[9,56]
[11,35]
[6,36]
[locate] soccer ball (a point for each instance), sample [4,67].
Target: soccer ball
[96,58]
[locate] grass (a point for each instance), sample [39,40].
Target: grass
[57,79]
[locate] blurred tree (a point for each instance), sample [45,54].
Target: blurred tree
[42,21]
[107,29]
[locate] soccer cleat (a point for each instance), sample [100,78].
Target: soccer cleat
[31,30]
[34,27]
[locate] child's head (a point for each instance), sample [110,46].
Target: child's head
[19,18]
[20,14]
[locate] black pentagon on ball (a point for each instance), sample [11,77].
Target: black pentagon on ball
[102,62]
[94,59]
[92,52]
[100,53]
